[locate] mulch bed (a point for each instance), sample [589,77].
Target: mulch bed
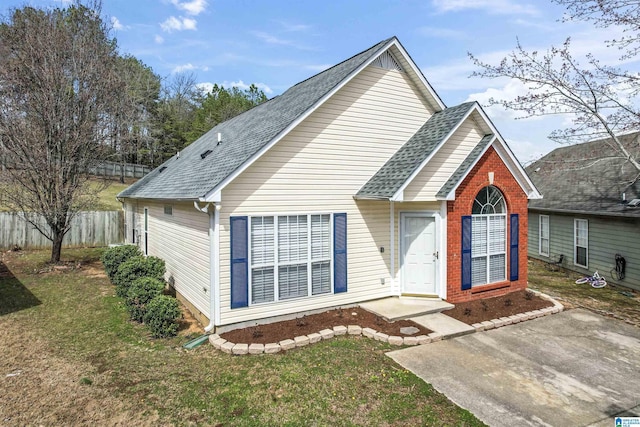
[497,307]
[276,332]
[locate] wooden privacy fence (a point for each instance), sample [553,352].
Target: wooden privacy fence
[87,229]
[131,170]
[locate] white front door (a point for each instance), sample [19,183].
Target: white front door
[419,253]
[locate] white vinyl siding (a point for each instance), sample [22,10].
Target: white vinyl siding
[581,242]
[445,162]
[318,167]
[543,235]
[182,241]
[303,262]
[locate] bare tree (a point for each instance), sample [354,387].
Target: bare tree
[602,100]
[57,85]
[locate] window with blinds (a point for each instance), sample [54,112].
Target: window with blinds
[581,239]
[290,257]
[543,231]
[488,237]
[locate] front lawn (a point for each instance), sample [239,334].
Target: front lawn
[70,356]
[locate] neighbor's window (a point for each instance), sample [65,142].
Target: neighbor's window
[290,257]
[488,237]
[543,232]
[581,239]
[168,210]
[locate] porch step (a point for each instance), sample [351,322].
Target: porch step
[395,308]
[446,326]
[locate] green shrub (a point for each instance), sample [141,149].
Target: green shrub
[113,257]
[161,317]
[140,293]
[135,268]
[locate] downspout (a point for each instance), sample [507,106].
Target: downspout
[212,283]
[392,246]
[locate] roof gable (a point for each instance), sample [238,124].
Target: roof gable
[589,177]
[410,158]
[390,181]
[244,138]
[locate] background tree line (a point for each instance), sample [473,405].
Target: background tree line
[70,100]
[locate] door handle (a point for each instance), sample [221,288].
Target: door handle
[436,254]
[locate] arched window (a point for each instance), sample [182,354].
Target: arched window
[488,237]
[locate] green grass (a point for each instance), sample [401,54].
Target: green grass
[108,201]
[612,300]
[107,197]
[344,381]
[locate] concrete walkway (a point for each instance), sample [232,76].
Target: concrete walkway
[395,308]
[423,311]
[573,368]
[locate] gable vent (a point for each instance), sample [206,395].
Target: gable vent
[205,154]
[387,61]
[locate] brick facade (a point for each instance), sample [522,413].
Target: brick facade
[516,201]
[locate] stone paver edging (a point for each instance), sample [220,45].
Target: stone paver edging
[240,349]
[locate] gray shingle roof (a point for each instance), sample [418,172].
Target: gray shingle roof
[395,172]
[464,167]
[191,177]
[589,177]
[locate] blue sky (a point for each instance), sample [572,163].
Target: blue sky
[278,43]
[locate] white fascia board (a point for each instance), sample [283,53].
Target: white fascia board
[517,170]
[296,122]
[452,193]
[418,73]
[393,42]
[212,197]
[513,164]
[510,162]
[398,197]
[430,156]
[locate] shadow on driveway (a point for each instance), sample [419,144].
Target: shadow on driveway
[575,368]
[14,296]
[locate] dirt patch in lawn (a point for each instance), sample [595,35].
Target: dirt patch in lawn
[494,308]
[278,331]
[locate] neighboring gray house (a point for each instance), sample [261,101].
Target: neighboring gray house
[590,211]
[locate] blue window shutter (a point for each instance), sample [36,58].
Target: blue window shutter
[339,252]
[239,262]
[466,252]
[513,247]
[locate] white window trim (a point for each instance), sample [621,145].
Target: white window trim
[576,221]
[488,254]
[276,264]
[540,236]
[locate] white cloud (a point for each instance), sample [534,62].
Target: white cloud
[444,33]
[271,39]
[317,67]
[189,67]
[494,7]
[117,25]
[158,39]
[511,90]
[193,7]
[289,27]
[178,24]
[207,86]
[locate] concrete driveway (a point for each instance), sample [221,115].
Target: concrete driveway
[574,368]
